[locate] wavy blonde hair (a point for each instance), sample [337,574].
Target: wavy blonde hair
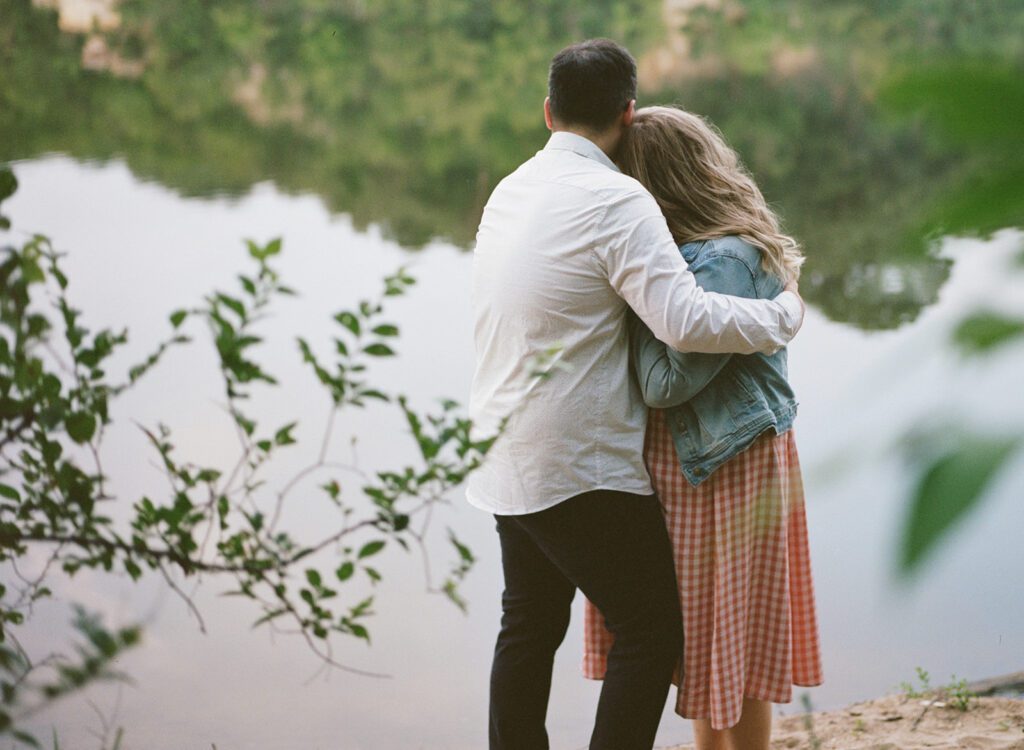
[702,188]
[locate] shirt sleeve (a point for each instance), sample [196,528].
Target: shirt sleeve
[667,377]
[645,268]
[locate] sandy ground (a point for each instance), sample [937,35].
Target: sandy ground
[889,724]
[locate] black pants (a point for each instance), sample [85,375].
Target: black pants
[614,547]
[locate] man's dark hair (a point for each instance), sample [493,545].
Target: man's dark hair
[591,83]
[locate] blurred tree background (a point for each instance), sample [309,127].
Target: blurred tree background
[430,104]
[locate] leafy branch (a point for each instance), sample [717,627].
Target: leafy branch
[224,522]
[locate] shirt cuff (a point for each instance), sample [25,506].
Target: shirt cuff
[794,308]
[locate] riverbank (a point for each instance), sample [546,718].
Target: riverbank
[900,723]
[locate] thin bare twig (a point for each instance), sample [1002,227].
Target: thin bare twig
[185,597]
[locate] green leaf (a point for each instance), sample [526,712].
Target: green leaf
[81,426]
[235,304]
[948,489]
[984,331]
[51,385]
[350,321]
[386,330]
[208,475]
[975,108]
[345,571]
[58,274]
[133,569]
[269,616]
[8,491]
[262,253]
[363,608]
[283,436]
[359,631]
[246,424]
[379,350]
[177,317]
[8,183]
[451,590]
[27,739]
[313,576]
[52,450]
[464,552]
[371,548]
[968,103]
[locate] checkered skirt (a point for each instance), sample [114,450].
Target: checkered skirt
[744,573]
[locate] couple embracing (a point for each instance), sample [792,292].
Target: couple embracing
[655,468]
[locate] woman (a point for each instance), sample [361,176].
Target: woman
[721,452]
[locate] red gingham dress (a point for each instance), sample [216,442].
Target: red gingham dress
[744,573]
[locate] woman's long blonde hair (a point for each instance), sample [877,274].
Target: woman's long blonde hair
[702,188]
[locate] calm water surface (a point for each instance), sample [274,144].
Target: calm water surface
[138,250]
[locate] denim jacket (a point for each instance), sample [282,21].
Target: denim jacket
[716,404]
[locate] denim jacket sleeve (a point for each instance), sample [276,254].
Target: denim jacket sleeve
[667,377]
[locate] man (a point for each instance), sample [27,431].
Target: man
[566,246]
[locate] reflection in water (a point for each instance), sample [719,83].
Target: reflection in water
[404,115]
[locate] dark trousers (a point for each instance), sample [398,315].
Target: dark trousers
[614,547]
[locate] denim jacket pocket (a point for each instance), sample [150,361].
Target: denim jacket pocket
[707,422]
[711,421]
[739,392]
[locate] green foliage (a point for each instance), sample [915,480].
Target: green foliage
[921,689]
[982,332]
[960,695]
[8,184]
[399,113]
[362,334]
[406,116]
[968,103]
[27,687]
[955,691]
[868,35]
[220,521]
[462,566]
[951,484]
[813,740]
[869,154]
[975,107]
[954,470]
[846,180]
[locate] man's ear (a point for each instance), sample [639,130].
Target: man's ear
[547,113]
[627,116]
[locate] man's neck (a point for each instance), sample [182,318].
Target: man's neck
[608,141]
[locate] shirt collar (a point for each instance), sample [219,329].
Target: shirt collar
[563,140]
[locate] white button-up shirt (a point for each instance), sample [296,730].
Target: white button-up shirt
[566,245]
